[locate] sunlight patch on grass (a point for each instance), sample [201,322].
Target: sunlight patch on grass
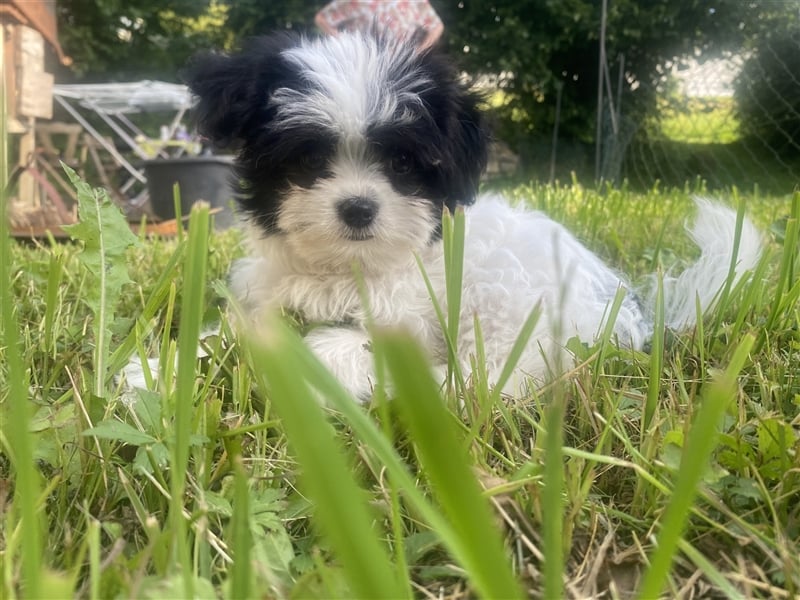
[699,120]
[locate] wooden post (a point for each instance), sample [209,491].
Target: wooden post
[28,191]
[29,95]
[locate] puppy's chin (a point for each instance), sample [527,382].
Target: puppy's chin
[358,235]
[377,249]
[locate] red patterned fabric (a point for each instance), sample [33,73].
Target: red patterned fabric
[414,19]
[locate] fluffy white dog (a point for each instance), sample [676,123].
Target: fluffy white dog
[348,150]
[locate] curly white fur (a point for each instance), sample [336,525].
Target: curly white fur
[349,148]
[514,260]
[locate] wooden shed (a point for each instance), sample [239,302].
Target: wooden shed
[26,29]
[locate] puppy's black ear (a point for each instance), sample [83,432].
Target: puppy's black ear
[464,134]
[233,90]
[470,147]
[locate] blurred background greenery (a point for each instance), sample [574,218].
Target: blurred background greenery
[692,89]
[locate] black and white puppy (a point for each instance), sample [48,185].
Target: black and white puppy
[349,148]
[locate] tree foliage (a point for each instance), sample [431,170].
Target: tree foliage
[534,47]
[768,93]
[118,40]
[256,17]
[547,44]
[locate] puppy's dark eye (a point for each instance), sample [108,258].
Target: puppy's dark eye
[401,163]
[313,161]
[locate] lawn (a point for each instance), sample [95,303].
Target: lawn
[699,120]
[674,472]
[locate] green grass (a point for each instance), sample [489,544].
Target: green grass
[673,473]
[699,120]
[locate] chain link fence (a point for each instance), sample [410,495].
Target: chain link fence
[725,120]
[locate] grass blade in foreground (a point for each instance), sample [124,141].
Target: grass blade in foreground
[553,497]
[453,235]
[447,465]
[340,506]
[368,432]
[453,232]
[656,359]
[16,427]
[194,276]
[702,439]
[242,538]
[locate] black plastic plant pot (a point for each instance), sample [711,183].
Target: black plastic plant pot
[208,178]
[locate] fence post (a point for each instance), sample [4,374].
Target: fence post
[554,146]
[600,76]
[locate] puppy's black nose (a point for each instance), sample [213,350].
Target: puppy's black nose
[357,212]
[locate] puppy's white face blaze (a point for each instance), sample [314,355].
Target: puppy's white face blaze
[355,215]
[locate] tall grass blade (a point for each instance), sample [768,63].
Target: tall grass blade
[789,256]
[381,401]
[241,570]
[93,540]
[453,366]
[367,431]
[17,426]
[453,234]
[608,331]
[54,276]
[656,358]
[340,505]
[177,206]
[192,307]
[553,498]
[453,237]
[446,464]
[553,490]
[700,443]
[155,303]
[724,295]
[520,344]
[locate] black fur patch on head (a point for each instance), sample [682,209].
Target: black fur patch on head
[233,112]
[233,90]
[438,155]
[462,127]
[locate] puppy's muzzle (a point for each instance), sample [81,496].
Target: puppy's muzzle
[357,212]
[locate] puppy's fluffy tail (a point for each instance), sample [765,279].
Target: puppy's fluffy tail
[714,231]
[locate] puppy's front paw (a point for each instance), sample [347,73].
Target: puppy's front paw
[347,354]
